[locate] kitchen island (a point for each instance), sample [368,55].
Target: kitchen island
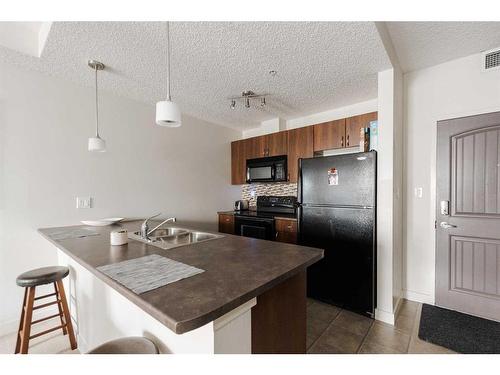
[251,297]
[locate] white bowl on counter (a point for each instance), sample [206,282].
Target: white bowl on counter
[102,222]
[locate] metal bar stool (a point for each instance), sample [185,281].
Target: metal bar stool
[30,280]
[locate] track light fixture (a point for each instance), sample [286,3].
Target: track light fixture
[247,96]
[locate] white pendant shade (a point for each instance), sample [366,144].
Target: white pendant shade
[97,144]
[168,114]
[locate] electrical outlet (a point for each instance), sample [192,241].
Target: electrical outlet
[83,202]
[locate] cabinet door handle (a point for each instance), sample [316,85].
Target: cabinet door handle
[348,140]
[342,141]
[277,234]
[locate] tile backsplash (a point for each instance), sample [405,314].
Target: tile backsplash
[250,192]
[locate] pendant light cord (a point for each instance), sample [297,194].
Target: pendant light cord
[96,107]
[169,98]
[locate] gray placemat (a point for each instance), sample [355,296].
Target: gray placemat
[149,272]
[72,233]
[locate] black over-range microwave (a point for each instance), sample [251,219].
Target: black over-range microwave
[270,169]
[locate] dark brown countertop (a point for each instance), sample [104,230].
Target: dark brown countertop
[237,269]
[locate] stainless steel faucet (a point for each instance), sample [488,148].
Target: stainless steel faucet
[145,232]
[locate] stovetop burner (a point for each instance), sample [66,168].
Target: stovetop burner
[269,206]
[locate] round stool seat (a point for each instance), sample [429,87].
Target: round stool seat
[127,345]
[40,276]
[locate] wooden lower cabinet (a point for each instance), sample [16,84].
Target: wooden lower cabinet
[279,318]
[286,230]
[226,223]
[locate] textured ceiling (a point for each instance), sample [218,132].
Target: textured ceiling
[423,44]
[320,65]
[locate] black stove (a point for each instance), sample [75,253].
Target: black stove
[259,223]
[269,206]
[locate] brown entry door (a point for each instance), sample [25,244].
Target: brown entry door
[468,215]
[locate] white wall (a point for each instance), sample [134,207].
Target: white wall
[389,199]
[334,114]
[44,126]
[453,89]
[270,126]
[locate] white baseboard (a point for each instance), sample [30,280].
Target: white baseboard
[397,308]
[384,316]
[418,297]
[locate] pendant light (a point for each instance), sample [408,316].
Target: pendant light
[96,144]
[167,112]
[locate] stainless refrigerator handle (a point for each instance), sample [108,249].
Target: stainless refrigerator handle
[299,180]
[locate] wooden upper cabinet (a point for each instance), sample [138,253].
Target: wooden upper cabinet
[267,145]
[256,147]
[277,144]
[300,145]
[329,135]
[238,162]
[353,126]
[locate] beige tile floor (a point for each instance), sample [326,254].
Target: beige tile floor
[51,343]
[331,330]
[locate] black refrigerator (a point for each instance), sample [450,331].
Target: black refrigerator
[337,213]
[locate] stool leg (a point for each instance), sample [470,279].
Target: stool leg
[67,318]
[65,331]
[21,321]
[25,337]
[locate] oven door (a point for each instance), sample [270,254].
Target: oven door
[255,227]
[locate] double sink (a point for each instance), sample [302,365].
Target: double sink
[171,237]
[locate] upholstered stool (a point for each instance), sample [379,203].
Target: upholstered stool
[30,280]
[127,345]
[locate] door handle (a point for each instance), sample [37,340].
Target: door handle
[342,141]
[446,225]
[348,140]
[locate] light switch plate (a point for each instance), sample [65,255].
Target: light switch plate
[83,202]
[418,192]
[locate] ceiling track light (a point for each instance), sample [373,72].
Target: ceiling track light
[96,144]
[247,96]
